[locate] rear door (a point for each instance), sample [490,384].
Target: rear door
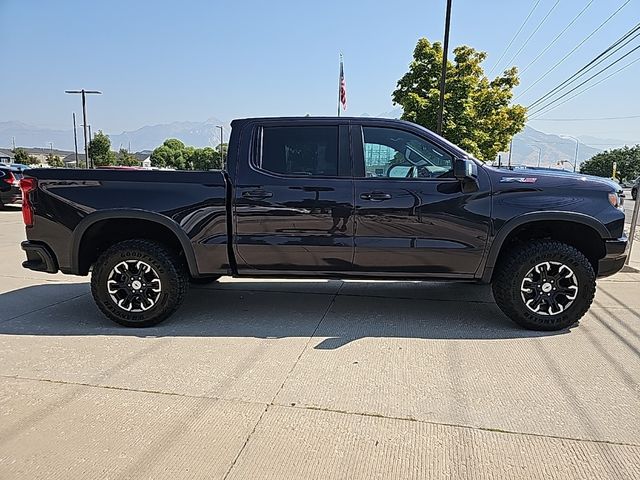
[411,214]
[294,199]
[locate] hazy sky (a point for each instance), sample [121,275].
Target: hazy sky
[163,61]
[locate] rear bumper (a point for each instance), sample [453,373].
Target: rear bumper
[616,254]
[11,196]
[39,257]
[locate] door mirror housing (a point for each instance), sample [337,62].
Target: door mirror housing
[465,169]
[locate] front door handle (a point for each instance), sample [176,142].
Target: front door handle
[257,194]
[375,196]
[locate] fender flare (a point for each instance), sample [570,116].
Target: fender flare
[123,214]
[512,224]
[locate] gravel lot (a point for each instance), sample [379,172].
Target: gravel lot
[312,379]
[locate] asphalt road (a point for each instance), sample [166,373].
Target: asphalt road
[312,379]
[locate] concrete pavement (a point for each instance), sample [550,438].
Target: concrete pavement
[312,379]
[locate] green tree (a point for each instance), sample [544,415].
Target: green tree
[21,156]
[175,154]
[205,159]
[171,154]
[54,160]
[126,159]
[627,163]
[100,150]
[478,114]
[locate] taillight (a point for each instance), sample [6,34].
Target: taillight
[27,185]
[9,178]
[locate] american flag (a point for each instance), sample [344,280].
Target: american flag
[342,94]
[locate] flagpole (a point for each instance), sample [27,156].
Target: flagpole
[339,83]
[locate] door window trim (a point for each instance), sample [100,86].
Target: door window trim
[358,143]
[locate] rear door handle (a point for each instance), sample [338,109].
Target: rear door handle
[257,194]
[375,196]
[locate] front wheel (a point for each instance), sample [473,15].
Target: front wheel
[138,283]
[544,285]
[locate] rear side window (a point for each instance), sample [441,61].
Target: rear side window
[306,150]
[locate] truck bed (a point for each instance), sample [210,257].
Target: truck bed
[69,204]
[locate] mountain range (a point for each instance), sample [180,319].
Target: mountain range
[528,145]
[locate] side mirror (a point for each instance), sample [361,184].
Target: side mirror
[464,169]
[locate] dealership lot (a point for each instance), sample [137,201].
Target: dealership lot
[312,379]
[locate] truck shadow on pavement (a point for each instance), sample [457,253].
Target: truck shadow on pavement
[334,312]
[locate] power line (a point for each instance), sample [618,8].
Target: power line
[553,107]
[555,100]
[514,37]
[586,119]
[574,49]
[526,42]
[557,37]
[609,51]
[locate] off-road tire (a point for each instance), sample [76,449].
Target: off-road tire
[169,269]
[203,280]
[515,265]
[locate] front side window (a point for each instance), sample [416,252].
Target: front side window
[395,153]
[306,150]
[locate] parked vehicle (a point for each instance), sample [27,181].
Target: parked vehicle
[20,166]
[10,185]
[329,198]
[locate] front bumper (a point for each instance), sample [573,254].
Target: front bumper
[39,257]
[616,254]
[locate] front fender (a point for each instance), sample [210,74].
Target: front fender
[499,237]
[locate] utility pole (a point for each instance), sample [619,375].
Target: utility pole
[443,77]
[51,148]
[75,138]
[13,143]
[84,92]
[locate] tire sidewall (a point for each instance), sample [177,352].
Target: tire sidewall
[585,277]
[165,270]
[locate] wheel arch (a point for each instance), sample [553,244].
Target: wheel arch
[138,224]
[589,238]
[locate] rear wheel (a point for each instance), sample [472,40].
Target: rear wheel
[544,285]
[138,283]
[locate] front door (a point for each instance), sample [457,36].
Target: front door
[294,202]
[411,214]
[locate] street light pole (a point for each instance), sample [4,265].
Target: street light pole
[221,143]
[84,92]
[539,152]
[575,159]
[445,50]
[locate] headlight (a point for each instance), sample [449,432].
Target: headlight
[616,200]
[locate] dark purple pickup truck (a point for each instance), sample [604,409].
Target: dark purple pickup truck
[329,198]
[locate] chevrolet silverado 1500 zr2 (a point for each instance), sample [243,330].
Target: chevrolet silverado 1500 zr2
[329,198]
